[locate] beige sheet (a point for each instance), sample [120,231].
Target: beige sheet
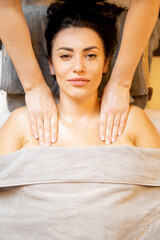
[89,193]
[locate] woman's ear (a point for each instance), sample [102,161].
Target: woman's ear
[105,68]
[51,67]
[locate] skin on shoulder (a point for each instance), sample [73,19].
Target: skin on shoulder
[16,130]
[141,130]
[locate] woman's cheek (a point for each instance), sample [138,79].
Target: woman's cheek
[61,70]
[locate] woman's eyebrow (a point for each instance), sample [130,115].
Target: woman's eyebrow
[89,48]
[65,48]
[71,49]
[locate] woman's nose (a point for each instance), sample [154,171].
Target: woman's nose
[79,66]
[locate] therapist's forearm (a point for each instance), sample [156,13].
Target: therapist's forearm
[139,23]
[15,36]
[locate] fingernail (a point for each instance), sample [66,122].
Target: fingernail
[47,144]
[53,140]
[36,136]
[102,138]
[42,143]
[119,133]
[113,139]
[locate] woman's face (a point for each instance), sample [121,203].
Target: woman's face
[78,61]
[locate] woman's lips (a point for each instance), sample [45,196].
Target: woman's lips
[78,82]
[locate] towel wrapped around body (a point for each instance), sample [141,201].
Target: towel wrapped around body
[75,193]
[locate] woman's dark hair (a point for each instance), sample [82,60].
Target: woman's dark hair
[99,16]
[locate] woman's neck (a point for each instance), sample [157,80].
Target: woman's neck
[78,111]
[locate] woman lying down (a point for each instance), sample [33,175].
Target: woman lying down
[80,188]
[79,49]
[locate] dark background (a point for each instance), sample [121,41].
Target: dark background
[155,53]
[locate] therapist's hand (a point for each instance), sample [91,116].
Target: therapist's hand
[42,113]
[114,112]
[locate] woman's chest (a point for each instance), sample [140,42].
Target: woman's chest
[82,136]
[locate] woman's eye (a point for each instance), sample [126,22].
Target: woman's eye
[91,56]
[65,57]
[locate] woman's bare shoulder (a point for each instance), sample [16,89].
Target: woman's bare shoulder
[19,112]
[13,131]
[19,117]
[140,127]
[17,124]
[137,118]
[136,113]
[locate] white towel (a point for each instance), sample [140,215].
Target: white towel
[89,193]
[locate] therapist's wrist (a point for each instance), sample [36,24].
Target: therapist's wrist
[32,79]
[123,72]
[122,81]
[36,86]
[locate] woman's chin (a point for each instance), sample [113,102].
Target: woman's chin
[78,93]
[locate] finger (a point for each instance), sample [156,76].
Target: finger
[109,128]
[40,130]
[34,126]
[116,124]
[54,128]
[102,126]
[47,131]
[122,123]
